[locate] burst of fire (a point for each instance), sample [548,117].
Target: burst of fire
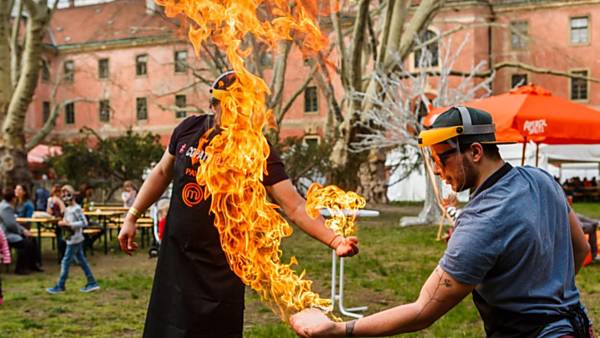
[342,207]
[250,228]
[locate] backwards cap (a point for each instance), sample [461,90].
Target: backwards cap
[222,82]
[468,124]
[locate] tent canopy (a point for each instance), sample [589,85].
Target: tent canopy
[532,113]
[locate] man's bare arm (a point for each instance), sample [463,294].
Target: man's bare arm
[580,245]
[440,293]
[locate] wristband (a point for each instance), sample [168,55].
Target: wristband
[331,241]
[134,212]
[350,328]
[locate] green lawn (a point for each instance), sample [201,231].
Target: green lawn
[392,265]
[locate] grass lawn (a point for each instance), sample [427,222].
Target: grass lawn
[392,265]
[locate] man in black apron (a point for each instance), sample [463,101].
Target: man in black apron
[195,293]
[516,246]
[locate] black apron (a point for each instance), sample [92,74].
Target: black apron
[195,293]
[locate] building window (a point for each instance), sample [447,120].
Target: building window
[45,71]
[579,30]
[519,32]
[180,102]
[104,110]
[141,108]
[45,111]
[432,50]
[141,65]
[69,70]
[311,140]
[103,69]
[70,113]
[579,87]
[181,61]
[517,80]
[311,100]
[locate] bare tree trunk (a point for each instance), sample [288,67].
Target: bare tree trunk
[13,167]
[373,190]
[398,45]
[13,155]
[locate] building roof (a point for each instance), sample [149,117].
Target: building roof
[109,21]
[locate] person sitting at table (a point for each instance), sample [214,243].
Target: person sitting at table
[73,222]
[56,208]
[25,207]
[84,197]
[128,195]
[593,182]
[17,236]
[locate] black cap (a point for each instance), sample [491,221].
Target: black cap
[222,82]
[452,117]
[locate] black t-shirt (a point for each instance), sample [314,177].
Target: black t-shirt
[195,292]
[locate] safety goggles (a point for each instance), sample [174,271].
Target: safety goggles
[440,158]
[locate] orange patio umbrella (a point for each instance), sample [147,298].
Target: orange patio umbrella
[532,113]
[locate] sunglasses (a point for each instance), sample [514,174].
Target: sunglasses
[441,158]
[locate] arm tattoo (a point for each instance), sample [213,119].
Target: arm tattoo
[443,280]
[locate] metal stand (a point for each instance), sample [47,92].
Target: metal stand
[339,297]
[350,312]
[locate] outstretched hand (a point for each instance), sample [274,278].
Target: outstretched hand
[346,246]
[314,323]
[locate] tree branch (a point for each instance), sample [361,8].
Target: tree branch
[279,70]
[281,113]
[15,47]
[6,87]
[421,18]
[358,36]
[341,45]
[497,66]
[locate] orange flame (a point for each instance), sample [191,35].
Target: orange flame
[250,228]
[342,207]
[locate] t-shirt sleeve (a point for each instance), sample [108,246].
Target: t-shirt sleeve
[472,250]
[173,141]
[275,168]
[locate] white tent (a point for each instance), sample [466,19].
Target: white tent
[563,161]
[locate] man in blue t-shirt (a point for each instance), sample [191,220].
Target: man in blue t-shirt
[516,247]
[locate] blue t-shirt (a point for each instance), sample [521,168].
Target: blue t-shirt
[513,241]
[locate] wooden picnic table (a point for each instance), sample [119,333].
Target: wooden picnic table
[103,218]
[121,209]
[40,222]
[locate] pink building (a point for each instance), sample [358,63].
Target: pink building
[122,64]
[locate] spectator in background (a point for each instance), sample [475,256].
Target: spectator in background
[84,198]
[593,182]
[56,208]
[24,205]
[128,195]
[586,183]
[41,198]
[17,235]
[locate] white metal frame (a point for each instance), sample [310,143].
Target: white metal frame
[338,295]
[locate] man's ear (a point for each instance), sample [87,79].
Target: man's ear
[477,151]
